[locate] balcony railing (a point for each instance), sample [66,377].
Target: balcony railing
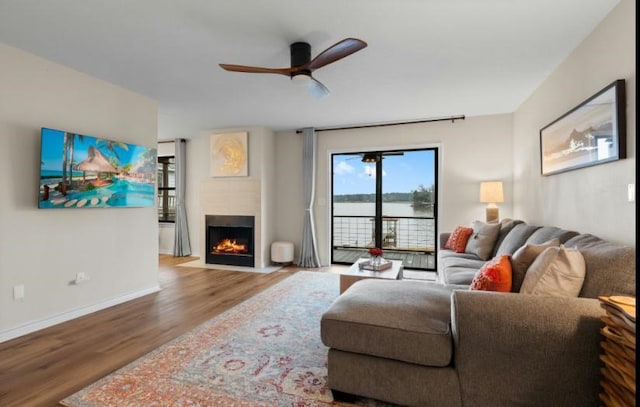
[398,233]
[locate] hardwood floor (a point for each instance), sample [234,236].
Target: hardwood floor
[42,368]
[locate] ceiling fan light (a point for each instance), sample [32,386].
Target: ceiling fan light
[301,79]
[369,158]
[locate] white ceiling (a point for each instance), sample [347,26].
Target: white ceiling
[425,59]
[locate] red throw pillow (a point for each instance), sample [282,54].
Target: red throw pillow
[458,239]
[494,275]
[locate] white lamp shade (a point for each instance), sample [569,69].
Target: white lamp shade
[491,192]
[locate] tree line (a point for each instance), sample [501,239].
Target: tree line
[422,196]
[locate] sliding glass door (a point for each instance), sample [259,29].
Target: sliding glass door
[385,199]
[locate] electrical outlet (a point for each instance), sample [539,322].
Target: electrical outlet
[18,292]
[81,277]
[631,192]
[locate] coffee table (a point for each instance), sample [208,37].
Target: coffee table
[355,273]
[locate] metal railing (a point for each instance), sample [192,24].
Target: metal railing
[398,232]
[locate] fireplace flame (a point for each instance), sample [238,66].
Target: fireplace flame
[230,246]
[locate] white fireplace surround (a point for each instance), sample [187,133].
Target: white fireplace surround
[253,195]
[234,197]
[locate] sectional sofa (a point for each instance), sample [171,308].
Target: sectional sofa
[442,344]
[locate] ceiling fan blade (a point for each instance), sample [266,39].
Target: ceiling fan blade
[257,69]
[317,89]
[335,52]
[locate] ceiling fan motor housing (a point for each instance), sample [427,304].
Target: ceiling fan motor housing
[300,55]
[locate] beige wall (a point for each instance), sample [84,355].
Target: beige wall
[117,248]
[591,199]
[471,150]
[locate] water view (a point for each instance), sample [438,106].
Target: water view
[405,209]
[403,182]
[403,226]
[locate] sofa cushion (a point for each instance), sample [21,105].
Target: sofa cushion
[524,257]
[557,271]
[453,261]
[546,233]
[483,239]
[444,254]
[402,320]
[458,239]
[506,226]
[494,275]
[457,275]
[611,267]
[515,239]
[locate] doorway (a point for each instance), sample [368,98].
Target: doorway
[385,199]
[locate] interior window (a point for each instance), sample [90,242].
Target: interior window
[166,189]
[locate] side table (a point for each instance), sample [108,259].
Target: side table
[355,273]
[619,351]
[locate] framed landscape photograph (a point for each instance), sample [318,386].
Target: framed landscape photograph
[592,133]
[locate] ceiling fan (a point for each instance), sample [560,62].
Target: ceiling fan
[302,65]
[374,156]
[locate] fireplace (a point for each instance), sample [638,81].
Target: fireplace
[230,240]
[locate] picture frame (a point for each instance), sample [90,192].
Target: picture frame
[83,171]
[592,133]
[229,155]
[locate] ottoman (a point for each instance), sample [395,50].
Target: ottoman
[392,341]
[282,252]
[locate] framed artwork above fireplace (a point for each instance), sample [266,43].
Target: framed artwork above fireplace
[229,155]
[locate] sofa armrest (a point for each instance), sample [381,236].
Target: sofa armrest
[517,349]
[444,236]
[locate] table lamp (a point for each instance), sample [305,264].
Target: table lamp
[491,193]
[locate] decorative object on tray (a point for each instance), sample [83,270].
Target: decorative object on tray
[619,351]
[376,256]
[376,263]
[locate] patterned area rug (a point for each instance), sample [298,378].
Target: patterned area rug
[264,352]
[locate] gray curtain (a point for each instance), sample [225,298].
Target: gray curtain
[308,251]
[181,245]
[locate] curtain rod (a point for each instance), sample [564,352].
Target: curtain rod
[364,126]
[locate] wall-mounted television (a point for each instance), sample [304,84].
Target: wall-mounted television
[81,171]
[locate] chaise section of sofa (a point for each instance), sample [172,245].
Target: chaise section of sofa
[393,343]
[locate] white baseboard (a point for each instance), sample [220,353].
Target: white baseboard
[67,316]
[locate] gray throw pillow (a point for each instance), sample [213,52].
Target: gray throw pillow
[557,271]
[523,258]
[483,239]
[506,226]
[516,238]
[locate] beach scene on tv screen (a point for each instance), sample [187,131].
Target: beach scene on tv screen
[80,171]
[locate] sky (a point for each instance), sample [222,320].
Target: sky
[401,173]
[52,150]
